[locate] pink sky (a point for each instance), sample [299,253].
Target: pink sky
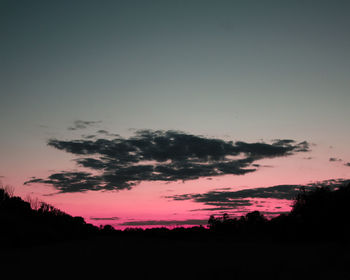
[147,201]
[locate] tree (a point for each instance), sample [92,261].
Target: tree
[212,222]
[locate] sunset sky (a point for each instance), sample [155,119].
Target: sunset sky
[149,113]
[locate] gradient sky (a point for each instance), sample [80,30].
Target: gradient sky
[247,71]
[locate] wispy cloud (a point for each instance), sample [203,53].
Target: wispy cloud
[104,218]
[107,133]
[79,124]
[225,200]
[160,156]
[333,159]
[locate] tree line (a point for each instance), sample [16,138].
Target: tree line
[319,214]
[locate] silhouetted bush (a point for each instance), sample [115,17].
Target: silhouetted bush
[21,225]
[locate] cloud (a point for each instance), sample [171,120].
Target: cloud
[347,164]
[122,163]
[73,181]
[226,197]
[273,214]
[225,204]
[332,159]
[90,136]
[225,200]
[79,124]
[164,222]
[107,133]
[104,219]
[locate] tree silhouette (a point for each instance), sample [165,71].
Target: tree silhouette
[320,212]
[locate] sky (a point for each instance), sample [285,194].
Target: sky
[148,113]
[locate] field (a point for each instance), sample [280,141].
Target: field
[142,257]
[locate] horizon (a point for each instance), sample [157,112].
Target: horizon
[162,113]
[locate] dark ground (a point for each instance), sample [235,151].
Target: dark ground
[142,257]
[311,242]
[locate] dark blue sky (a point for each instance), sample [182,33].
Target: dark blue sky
[216,66]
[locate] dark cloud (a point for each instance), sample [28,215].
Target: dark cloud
[221,197]
[225,204]
[225,200]
[308,158]
[79,124]
[347,164]
[104,219]
[332,159]
[160,156]
[271,214]
[165,222]
[107,133]
[277,148]
[90,136]
[71,181]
